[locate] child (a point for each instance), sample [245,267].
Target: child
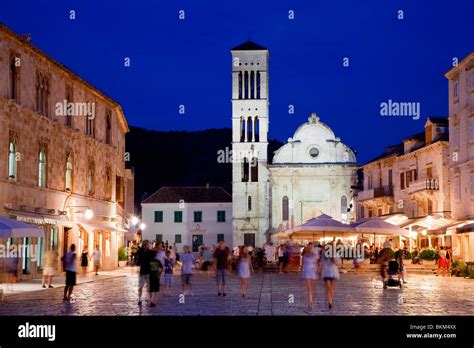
[244,268]
[169,264]
[187,260]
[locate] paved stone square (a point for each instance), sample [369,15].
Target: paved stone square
[270,294]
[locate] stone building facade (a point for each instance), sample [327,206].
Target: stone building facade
[60,168]
[461,149]
[312,174]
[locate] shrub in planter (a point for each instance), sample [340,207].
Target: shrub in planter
[408,255]
[122,254]
[459,269]
[427,254]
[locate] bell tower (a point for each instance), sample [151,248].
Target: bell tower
[250,182]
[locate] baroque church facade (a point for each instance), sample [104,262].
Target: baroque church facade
[311,174]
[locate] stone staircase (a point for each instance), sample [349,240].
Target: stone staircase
[371,268]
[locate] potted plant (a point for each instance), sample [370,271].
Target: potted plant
[428,256]
[122,256]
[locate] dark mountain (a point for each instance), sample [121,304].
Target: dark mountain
[180,158]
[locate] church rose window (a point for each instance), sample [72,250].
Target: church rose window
[314,152]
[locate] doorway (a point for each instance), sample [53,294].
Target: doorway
[197,242]
[249,239]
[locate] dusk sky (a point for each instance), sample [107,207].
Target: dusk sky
[188,62]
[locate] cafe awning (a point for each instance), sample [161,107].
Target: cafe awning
[10,228]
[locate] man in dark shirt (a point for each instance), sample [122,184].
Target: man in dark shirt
[143,260]
[221,257]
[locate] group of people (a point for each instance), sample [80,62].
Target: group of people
[157,260]
[70,261]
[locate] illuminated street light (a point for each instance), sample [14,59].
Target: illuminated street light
[142,226]
[88,214]
[424,232]
[134,220]
[413,234]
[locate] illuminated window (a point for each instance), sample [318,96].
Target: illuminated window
[69,172]
[42,168]
[12,158]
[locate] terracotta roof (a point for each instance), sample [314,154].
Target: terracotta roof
[198,194]
[249,46]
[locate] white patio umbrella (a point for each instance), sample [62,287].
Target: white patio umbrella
[323,225]
[10,228]
[380,226]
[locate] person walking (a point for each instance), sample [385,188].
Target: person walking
[308,271]
[401,266]
[71,269]
[143,261]
[222,256]
[49,268]
[244,269]
[156,268]
[442,262]
[329,273]
[96,256]
[187,259]
[169,264]
[84,260]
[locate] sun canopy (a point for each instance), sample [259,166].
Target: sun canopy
[379,226]
[321,226]
[10,228]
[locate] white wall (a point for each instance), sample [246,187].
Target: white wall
[209,227]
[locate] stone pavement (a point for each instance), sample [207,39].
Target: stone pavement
[270,294]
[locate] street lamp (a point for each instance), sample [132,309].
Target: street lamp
[424,232]
[134,220]
[142,226]
[88,214]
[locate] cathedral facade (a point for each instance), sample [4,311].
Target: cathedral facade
[311,174]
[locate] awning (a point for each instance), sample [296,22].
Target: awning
[91,228]
[465,229]
[11,228]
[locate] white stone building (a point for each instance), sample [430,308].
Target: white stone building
[461,149]
[311,174]
[188,216]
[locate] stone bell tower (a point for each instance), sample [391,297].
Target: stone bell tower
[250,183]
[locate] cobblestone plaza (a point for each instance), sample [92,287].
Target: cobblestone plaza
[270,294]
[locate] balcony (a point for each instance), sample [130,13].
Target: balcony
[378,192]
[424,185]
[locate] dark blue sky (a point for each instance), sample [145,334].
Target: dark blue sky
[188,62]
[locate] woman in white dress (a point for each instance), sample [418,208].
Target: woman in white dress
[309,267]
[244,269]
[329,272]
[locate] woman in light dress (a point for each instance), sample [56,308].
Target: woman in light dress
[244,269]
[309,263]
[329,272]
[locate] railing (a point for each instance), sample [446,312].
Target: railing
[384,191]
[424,185]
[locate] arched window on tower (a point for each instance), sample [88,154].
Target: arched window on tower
[249,129]
[252,85]
[246,84]
[245,170]
[240,84]
[257,129]
[258,85]
[249,203]
[284,208]
[343,205]
[242,129]
[254,169]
